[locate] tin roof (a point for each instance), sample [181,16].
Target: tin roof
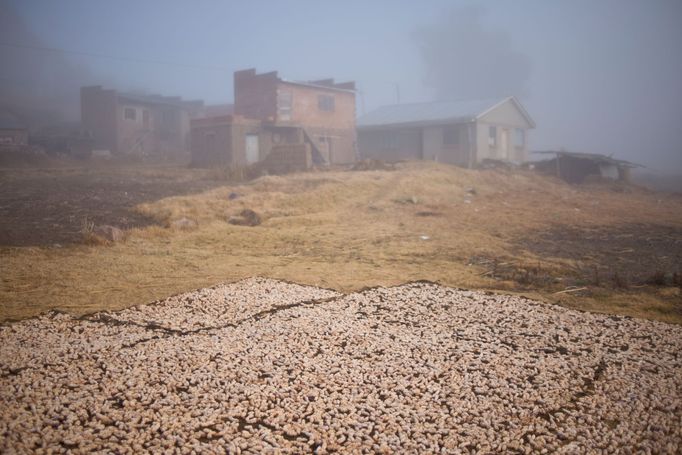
[595,157]
[430,113]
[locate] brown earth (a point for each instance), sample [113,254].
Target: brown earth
[47,207]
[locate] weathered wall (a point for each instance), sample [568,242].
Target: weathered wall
[288,158]
[99,116]
[220,141]
[159,130]
[391,145]
[210,144]
[255,95]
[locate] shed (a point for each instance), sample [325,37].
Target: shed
[576,167]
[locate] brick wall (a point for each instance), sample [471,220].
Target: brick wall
[255,95]
[288,158]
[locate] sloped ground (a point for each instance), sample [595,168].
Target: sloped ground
[483,229]
[260,364]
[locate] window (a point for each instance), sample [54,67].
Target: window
[129,113]
[492,136]
[450,135]
[519,138]
[283,105]
[325,103]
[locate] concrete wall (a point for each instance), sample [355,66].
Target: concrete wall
[459,152]
[391,144]
[428,143]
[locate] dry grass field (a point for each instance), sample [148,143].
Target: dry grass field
[602,248]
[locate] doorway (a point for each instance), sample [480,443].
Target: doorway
[252,149]
[504,144]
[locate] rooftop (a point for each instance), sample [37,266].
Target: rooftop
[426,113]
[596,157]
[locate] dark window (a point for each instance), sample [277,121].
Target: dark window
[492,136]
[450,135]
[325,103]
[129,113]
[284,105]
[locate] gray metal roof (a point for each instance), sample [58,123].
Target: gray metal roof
[596,157]
[425,113]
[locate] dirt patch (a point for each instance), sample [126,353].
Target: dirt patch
[41,209]
[614,256]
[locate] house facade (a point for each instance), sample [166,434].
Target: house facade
[315,121]
[149,126]
[463,133]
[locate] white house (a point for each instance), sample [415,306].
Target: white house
[463,133]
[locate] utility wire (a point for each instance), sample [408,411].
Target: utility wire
[113,57]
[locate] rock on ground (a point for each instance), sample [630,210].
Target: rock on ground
[261,366]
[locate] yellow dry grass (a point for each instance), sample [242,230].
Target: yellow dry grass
[341,230]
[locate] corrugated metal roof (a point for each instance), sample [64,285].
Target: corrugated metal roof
[425,113]
[596,157]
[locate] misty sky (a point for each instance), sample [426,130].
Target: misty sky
[597,76]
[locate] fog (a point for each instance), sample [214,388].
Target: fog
[600,77]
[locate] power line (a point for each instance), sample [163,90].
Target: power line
[113,57]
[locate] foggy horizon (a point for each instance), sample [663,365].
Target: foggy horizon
[597,77]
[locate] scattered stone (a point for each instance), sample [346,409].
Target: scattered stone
[246,217]
[232,196]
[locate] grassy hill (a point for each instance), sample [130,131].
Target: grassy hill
[606,248]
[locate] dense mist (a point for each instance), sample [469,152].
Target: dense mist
[600,77]
[465,60]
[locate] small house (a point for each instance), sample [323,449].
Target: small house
[463,133]
[290,125]
[150,126]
